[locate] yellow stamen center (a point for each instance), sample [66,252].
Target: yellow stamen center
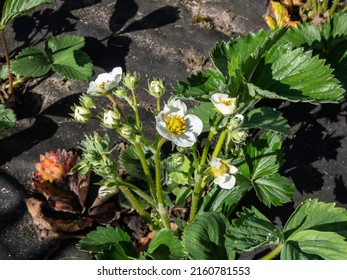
[224,168]
[102,85]
[227,102]
[176,124]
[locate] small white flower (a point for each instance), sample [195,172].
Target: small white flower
[111,119]
[81,114]
[106,82]
[173,124]
[225,104]
[223,173]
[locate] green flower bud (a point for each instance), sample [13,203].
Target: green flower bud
[127,132]
[131,81]
[86,101]
[111,119]
[120,92]
[156,88]
[81,114]
[238,136]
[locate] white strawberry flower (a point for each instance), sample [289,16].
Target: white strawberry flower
[225,104]
[173,124]
[106,82]
[223,173]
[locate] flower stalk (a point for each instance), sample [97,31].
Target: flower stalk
[7,56]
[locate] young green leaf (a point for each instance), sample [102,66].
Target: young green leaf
[7,117]
[251,230]
[31,62]
[15,8]
[165,246]
[203,239]
[267,118]
[274,189]
[247,51]
[200,86]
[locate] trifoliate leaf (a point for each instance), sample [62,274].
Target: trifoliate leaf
[203,239]
[165,246]
[31,62]
[251,230]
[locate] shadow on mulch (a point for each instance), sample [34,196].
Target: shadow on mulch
[105,52]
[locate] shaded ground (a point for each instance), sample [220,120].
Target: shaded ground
[170,39]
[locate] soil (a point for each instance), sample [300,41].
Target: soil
[170,39]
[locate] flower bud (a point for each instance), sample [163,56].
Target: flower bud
[156,88]
[127,132]
[238,136]
[120,92]
[81,114]
[111,119]
[236,121]
[86,101]
[131,81]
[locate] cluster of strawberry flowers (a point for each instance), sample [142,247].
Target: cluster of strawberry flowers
[172,123]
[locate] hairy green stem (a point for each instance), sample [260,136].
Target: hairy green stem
[115,103]
[134,202]
[159,189]
[333,7]
[325,6]
[158,104]
[219,144]
[139,192]
[145,168]
[199,184]
[273,253]
[137,116]
[7,56]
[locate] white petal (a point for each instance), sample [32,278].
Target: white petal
[184,142]
[218,97]
[93,87]
[232,169]
[103,78]
[225,181]
[194,124]
[216,163]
